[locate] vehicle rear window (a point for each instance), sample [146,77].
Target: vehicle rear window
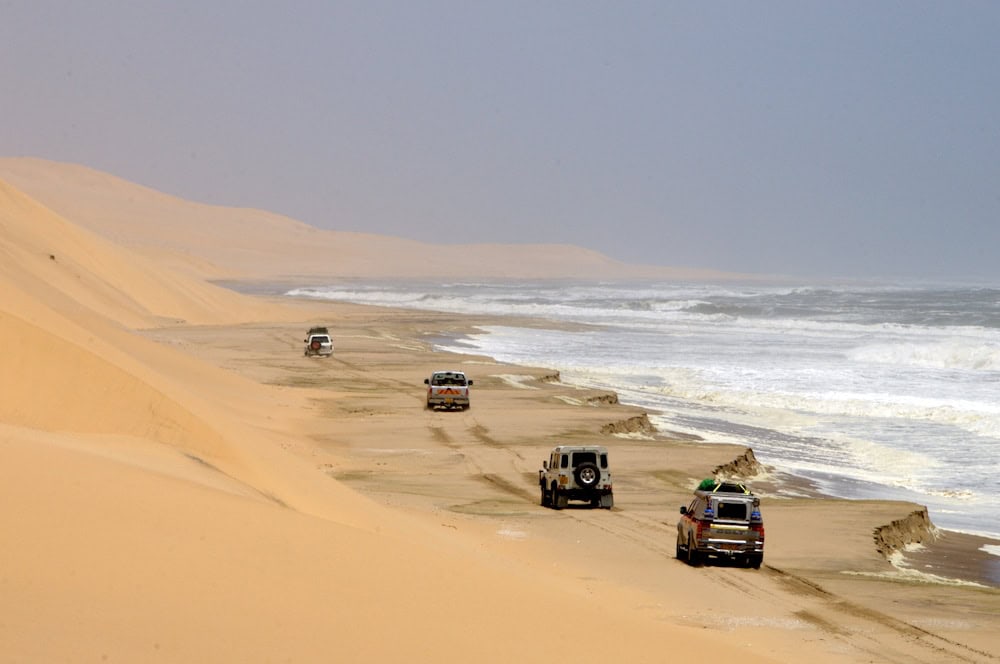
[731,510]
[604,461]
[584,457]
[448,379]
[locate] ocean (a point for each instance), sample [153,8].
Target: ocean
[887,391]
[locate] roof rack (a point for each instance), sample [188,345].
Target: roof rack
[712,485]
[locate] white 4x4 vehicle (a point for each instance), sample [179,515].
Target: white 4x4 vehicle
[318,342]
[447,388]
[576,472]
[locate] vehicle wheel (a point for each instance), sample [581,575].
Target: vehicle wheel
[595,501]
[545,496]
[693,557]
[559,500]
[587,475]
[680,549]
[755,561]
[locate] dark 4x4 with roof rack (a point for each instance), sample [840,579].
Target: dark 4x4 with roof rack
[723,521]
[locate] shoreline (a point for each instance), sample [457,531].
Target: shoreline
[936,563]
[861,454]
[963,564]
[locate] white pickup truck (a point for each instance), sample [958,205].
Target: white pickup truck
[449,389]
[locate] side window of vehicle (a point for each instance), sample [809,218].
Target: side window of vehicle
[564,462]
[604,461]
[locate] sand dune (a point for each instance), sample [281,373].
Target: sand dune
[218,242]
[67,268]
[180,484]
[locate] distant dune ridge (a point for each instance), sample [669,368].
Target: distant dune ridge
[224,242]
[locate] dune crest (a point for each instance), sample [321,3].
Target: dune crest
[224,242]
[73,269]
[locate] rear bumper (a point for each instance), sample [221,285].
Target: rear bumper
[448,401]
[320,351]
[730,549]
[585,494]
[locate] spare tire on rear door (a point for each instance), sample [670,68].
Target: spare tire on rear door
[587,475]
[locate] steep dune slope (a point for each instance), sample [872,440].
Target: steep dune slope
[72,364]
[67,267]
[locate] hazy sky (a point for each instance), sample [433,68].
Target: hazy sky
[811,138]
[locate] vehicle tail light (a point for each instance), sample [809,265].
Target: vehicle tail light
[698,529]
[758,528]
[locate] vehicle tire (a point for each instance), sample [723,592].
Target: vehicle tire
[587,475]
[680,549]
[559,500]
[546,500]
[693,557]
[755,561]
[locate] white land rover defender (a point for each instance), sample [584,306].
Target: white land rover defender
[576,472]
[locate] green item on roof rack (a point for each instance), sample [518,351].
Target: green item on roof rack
[707,484]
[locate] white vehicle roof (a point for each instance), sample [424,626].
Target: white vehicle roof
[580,448]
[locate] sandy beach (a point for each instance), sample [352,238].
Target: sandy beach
[182,484]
